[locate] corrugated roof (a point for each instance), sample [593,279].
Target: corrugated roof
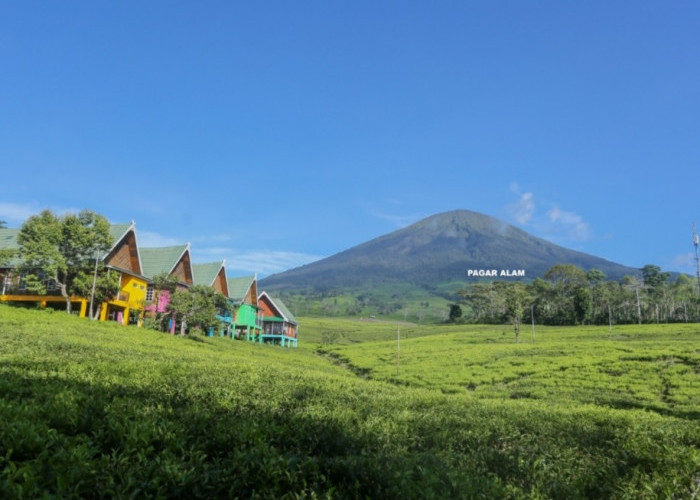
[119,230]
[8,239]
[205,274]
[285,311]
[281,308]
[155,261]
[238,287]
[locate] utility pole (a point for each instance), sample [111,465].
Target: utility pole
[94,283]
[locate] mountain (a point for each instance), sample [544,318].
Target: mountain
[437,250]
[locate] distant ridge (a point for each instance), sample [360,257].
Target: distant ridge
[436,250]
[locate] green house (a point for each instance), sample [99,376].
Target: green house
[247,319]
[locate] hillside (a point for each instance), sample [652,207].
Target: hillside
[438,250]
[94,410]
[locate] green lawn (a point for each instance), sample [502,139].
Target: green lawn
[99,410]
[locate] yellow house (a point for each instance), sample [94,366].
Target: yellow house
[128,306]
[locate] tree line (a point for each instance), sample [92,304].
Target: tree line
[568,295]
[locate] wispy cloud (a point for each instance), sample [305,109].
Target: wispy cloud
[684,262]
[266,262]
[523,209]
[16,213]
[556,224]
[568,223]
[261,261]
[150,239]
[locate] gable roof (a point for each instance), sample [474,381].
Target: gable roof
[155,261]
[211,274]
[281,308]
[239,288]
[118,231]
[205,274]
[124,254]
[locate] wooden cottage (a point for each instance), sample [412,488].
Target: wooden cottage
[279,326]
[174,262]
[213,275]
[124,258]
[243,292]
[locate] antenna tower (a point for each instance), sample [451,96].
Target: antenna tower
[696,240]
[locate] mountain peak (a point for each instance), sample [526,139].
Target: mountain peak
[439,249]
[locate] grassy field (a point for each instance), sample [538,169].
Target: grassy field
[654,367]
[99,410]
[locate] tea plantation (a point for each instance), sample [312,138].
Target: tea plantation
[93,410]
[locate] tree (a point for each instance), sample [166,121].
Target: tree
[653,277]
[634,285]
[685,298]
[656,287]
[455,313]
[595,276]
[197,307]
[485,302]
[106,286]
[6,256]
[60,251]
[517,298]
[163,283]
[565,280]
[583,304]
[596,281]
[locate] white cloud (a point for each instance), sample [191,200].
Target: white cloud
[684,262]
[149,239]
[16,213]
[523,209]
[568,223]
[263,262]
[556,224]
[266,262]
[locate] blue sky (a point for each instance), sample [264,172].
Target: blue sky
[275,133]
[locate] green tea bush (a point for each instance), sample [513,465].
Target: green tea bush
[94,410]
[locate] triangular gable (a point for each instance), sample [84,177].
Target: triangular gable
[183,268]
[212,274]
[124,254]
[277,308]
[174,261]
[244,290]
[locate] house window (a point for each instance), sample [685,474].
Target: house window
[149,292]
